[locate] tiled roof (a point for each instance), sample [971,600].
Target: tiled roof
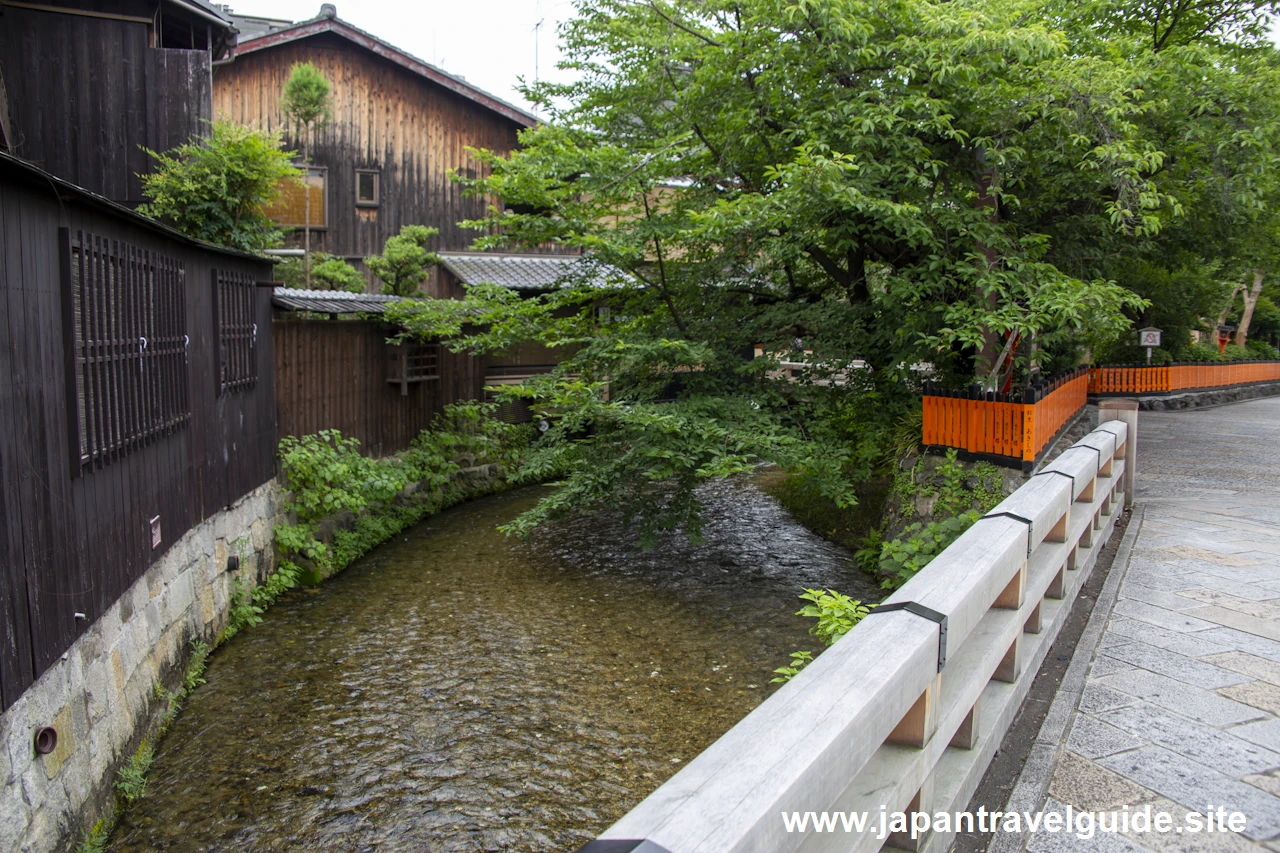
[330,301]
[525,272]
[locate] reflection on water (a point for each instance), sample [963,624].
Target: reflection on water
[458,690]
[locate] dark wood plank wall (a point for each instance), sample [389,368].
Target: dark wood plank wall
[385,117]
[332,374]
[73,544]
[86,94]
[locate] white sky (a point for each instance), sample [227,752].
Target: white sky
[490,42]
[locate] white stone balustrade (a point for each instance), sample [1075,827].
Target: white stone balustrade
[872,721]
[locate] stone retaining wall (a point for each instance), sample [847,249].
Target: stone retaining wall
[101,696]
[1210,397]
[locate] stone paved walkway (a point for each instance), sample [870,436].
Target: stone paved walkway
[1180,707]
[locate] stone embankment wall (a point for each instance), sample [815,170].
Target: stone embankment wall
[1211,397]
[102,698]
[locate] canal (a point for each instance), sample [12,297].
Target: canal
[458,690]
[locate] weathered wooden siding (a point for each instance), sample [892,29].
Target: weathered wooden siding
[332,374]
[384,117]
[72,544]
[86,94]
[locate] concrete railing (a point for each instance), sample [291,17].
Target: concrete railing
[906,711]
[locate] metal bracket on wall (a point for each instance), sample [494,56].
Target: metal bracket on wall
[932,615]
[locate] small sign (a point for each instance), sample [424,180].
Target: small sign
[155,533]
[1148,337]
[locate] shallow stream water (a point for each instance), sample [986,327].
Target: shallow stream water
[458,690]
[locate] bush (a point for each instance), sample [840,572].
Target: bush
[1262,349]
[216,189]
[1203,353]
[327,273]
[903,558]
[836,614]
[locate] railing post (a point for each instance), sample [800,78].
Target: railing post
[1127,411]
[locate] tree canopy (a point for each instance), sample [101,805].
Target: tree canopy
[216,188]
[305,99]
[864,188]
[405,261]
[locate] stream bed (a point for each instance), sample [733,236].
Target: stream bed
[459,690]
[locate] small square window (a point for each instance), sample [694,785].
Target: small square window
[366,188]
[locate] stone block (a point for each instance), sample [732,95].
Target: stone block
[208,613]
[1180,697]
[1097,698]
[1247,664]
[1177,666]
[1269,782]
[155,622]
[49,824]
[1231,638]
[1106,665]
[1259,694]
[15,817]
[1160,598]
[1168,619]
[1174,842]
[1194,786]
[1191,645]
[1065,842]
[141,593]
[1265,733]
[1088,786]
[181,594]
[220,553]
[1092,738]
[1210,746]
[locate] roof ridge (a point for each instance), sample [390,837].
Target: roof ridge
[453,82]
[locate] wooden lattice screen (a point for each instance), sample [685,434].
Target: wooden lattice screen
[410,363]
[237,333]
[125,322]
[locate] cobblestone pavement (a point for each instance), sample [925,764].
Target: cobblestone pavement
[1181,705]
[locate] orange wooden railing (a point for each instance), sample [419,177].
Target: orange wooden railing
[1139,379]
[1015,427]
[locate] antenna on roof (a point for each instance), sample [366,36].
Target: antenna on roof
[536,28]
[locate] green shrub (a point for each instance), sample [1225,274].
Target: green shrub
[903,558]
[1262,349]
[131,781]
[1202,353]
[836,614]
[327,273]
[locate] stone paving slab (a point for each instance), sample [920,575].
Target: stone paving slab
[1180,708]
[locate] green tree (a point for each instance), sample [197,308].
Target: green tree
[215,188]
[856,187]
[405,262]
[327,273]
[306,102]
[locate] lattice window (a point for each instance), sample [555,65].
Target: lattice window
[125,318]
[237,333]
[412,363]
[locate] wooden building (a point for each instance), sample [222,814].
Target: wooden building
[335,370]
[85,85]
[136,400]
[399,126]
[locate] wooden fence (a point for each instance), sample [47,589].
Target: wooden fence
[1010,429]
[341,374]
[905,712]
[1137,380]
[114,424]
